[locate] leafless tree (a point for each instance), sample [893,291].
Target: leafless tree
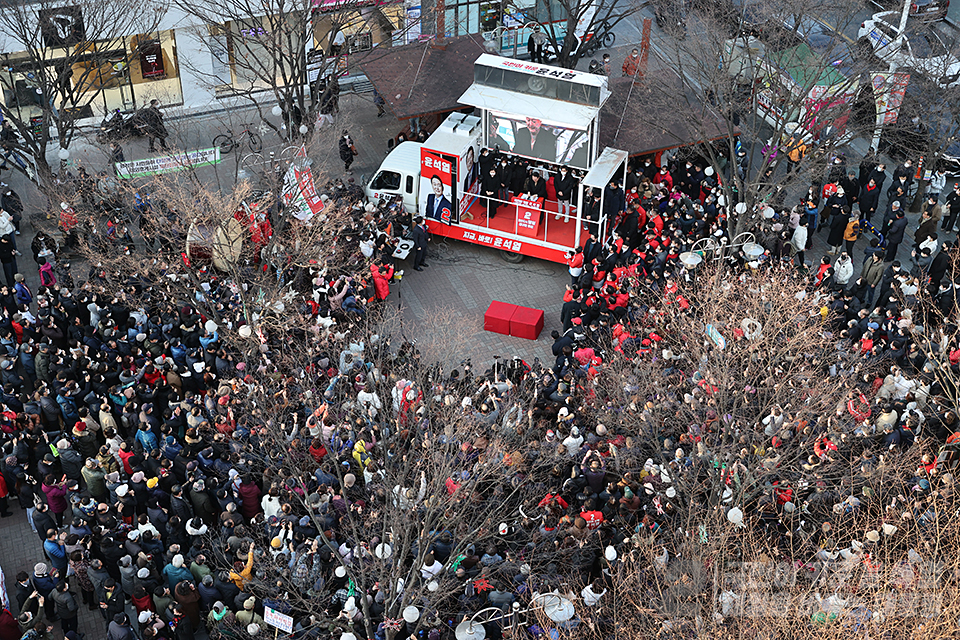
[62,63]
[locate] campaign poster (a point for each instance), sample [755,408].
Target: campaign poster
[889,89]
[437,186]
[469,173]
[528,215]
[539,139]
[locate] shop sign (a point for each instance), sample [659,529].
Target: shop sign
[151,59]
[169,163]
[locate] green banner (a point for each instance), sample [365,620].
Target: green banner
[168,163]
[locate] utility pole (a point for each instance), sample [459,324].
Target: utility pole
[884,97]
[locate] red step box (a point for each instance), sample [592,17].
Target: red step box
[497,318]
[526,323]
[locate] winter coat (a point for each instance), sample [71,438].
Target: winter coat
[72,462]
[94,479]
[381,280]
[895,233]
[250,497]
[838,227]
[799,238]
[65,604]
[843,270]
[872,272]
[56,497]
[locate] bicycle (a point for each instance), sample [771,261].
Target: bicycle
[227,142]
[603,38]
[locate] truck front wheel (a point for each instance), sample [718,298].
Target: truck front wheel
[511,257]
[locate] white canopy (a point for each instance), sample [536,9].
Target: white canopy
[549,111]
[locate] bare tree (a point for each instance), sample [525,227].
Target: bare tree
[66,57]
[773,90]
[567,23]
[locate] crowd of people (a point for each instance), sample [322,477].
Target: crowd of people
[178,480]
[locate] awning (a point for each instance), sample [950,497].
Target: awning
[549,111]
[605,168]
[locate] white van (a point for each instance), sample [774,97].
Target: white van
[454,146]
[399,174]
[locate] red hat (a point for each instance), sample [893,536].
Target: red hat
[577,321]
[80,426]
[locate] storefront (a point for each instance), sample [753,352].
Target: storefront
[246,52]
[115,74]
[364,25]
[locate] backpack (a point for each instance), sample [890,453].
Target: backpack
[47,278]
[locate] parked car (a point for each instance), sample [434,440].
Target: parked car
[921,9]
[929,9]
[921,47]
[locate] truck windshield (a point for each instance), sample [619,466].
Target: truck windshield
[389,180]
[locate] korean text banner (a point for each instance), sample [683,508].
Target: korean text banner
[437,186]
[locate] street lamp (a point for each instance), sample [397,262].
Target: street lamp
[63,154]
[470,630]
[276,111]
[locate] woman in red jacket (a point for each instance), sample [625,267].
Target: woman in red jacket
[381,279]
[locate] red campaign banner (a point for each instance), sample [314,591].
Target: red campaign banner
[489,238]
[437,171]
[528,215]
[309,191]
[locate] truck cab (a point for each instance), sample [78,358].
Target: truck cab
[399,174]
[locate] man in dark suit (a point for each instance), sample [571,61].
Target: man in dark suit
[565,184]
[895,236]
[535,141]
[438,207]
[490,189]
[420,238]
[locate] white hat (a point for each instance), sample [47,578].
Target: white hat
[123,490]
[143,617]
[143,573]
[253,628]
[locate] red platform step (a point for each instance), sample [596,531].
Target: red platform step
[497,317]
[513,320]
[526,323]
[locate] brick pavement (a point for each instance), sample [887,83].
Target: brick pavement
[456,290]
[21,549]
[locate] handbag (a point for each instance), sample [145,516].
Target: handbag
[353,148]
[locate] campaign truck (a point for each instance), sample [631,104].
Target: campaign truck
[546,115]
